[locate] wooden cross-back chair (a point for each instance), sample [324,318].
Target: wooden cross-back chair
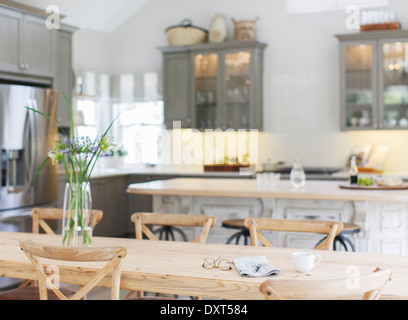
[142,219]
[256,225]
[366,287]
[112,256]
[40,215]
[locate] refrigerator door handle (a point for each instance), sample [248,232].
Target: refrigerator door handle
[30,143]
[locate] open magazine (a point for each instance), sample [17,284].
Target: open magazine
[255,267]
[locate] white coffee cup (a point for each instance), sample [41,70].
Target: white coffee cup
[305,261]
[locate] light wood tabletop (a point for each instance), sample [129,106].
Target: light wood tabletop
[176,267]
[248,188]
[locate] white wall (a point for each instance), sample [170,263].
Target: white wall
[301,78]
[91,51]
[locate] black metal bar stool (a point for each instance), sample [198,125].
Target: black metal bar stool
[167,233]
[237,224]
[348,229]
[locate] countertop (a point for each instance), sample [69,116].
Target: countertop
[163,171]
[248,188]
[197,171]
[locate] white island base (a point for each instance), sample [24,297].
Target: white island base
[381,214]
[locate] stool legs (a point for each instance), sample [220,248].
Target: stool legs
[168,233]
[342,240]
[243,233]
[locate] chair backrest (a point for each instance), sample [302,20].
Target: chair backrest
[255,225]
[367,287]
[39,215]
[141,219]
[113,257]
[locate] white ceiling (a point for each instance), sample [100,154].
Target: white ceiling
[101,15]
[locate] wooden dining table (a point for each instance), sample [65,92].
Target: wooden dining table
[176,267]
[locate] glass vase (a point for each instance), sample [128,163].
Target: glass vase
[77,215]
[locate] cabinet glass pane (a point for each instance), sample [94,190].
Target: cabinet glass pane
[238,81]
[359,86]
[205,72]
[395,73]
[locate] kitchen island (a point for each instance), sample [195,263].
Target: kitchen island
[381,214]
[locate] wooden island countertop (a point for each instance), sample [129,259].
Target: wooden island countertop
[248,188]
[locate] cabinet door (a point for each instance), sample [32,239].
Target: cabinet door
[64,78]
[393,84]
[205,92]
[237,89]
[10,39]
[177,89]
[109,195]
[37,55]
[358,85]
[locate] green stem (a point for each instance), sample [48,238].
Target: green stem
[76,216]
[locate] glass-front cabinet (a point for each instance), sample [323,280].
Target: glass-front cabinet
[374,80]
[205,90]
[359,86]
[238,89]
[224,83]
[394,83]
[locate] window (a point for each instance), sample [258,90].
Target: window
[85,118]
[139,131]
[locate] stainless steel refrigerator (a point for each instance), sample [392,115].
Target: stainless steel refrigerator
[25,137]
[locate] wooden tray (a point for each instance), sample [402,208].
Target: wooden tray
[380,26]
[404,186]
[225,167]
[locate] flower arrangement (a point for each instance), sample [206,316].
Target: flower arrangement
[78,156]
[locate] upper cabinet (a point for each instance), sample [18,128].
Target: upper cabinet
[214,85]
[29,48]
[374,80]
[63,73]
[26,44]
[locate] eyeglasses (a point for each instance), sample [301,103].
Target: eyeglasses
[222,264]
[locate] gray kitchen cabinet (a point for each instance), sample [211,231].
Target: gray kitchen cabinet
[63,74]
[37,46]
[26,44]
[29,48]
[109,195]
[374,80]
[176,91]
[214,85]
[10,39]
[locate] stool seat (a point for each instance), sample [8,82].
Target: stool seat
[234,223]
[237,224]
